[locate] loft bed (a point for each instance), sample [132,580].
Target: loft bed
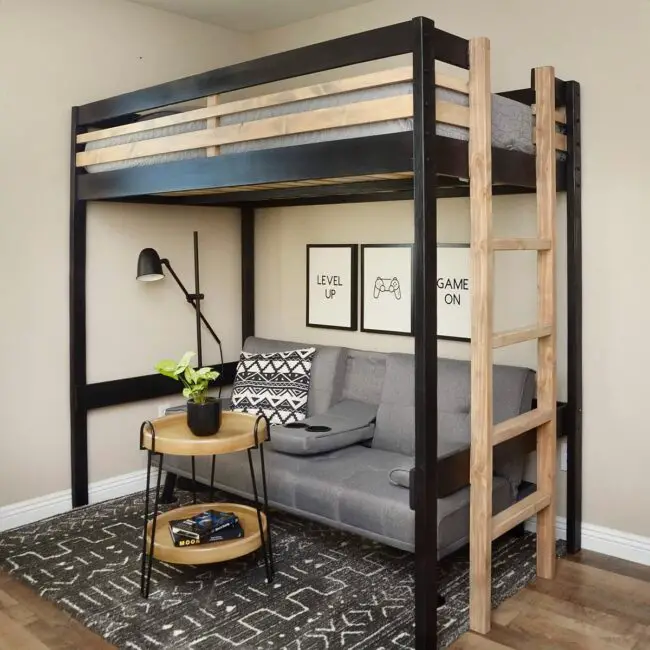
[399,133]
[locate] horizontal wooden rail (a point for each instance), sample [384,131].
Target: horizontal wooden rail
[560,113]
[518,512]
[376,110]
[521,244]
[338,86]
[520,424]
[561,141]
[511,337]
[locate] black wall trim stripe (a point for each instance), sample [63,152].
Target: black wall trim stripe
[134,389]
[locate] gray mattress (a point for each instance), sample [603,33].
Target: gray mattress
[512,126]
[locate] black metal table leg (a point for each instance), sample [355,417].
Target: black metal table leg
[212,480]
[193,479]
[266,507]
[169,487]
[145,570]
[266,539]
[144,524]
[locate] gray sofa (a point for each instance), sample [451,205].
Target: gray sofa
[355,477]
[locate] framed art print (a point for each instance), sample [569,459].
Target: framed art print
[332,286]
[453,289]
[387,288]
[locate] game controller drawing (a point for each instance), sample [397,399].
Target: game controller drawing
[387,284]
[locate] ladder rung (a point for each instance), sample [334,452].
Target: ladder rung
[510,337]
[521,244]
[518,512]
[520,424]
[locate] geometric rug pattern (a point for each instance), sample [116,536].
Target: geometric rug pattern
[332,590]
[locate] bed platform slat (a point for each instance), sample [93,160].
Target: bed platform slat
[292,184]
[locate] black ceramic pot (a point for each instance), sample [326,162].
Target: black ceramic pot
[204,419]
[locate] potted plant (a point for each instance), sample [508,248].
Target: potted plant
[203,411]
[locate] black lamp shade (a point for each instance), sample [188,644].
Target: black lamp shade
[149,266]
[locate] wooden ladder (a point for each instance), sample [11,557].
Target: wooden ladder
[484,527]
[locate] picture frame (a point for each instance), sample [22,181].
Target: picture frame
[387,289]
[453,292]
[332,286]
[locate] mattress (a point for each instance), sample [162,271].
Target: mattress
[512,126]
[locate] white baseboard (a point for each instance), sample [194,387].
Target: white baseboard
[27,512]
[615,543]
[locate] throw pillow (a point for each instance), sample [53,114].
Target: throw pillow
[275,384]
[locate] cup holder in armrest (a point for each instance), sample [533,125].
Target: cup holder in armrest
[314,428]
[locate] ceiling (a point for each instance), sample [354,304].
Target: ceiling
[250,15]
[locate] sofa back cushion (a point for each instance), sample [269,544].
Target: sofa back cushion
[395,430]
[395,427]
[364,376]
[327,369]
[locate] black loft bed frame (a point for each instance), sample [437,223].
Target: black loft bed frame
[424,152]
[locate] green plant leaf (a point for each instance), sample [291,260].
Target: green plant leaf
[184,363]
[190,375]
[207,373]
[167,368]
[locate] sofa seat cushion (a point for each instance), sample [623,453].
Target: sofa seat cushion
[275,384]
[348,486]
[345,424]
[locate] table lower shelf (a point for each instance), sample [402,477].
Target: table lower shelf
[165,550]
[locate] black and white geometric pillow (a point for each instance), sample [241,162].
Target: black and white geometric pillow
[275,384]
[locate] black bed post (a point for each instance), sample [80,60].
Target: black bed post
[425,328]
[247,272]
[77,298]
[574,319]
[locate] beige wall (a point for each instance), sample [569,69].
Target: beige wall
[54,55]
[600,46]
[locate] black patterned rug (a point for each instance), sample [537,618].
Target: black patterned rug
[332,590]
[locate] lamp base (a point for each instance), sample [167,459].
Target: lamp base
[204,419]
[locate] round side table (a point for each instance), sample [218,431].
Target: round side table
[171,435]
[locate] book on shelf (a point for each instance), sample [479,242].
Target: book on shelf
[205,528]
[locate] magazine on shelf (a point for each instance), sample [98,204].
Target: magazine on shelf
[205,528]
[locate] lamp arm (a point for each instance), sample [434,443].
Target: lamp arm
[191,299]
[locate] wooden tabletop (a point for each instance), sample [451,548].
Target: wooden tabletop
[173,436]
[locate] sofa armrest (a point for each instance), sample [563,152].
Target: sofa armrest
[346,423]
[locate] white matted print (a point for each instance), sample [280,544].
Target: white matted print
[454,298]
[332,286]
[387,288]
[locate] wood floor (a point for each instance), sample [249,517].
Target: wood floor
[596,603]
